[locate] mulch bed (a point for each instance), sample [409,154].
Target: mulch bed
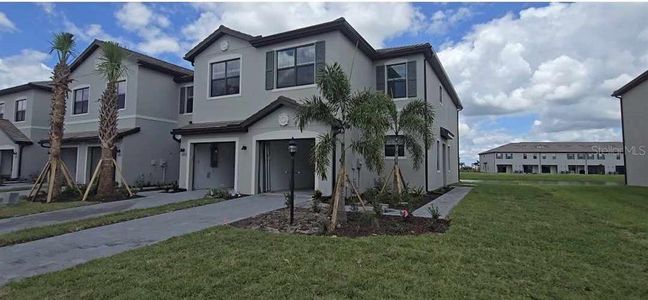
[358,224]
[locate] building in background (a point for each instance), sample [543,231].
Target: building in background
[634,116]
[555,158]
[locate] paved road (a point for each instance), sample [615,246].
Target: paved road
[64,251]
[445,203]
[150,199]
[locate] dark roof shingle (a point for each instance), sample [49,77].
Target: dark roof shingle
[13,133]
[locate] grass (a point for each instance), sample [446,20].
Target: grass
[36,233]
[534,178]
[506,241]
[25,207]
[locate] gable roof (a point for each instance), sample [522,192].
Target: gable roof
[39,85]
[630,85]
[348,31]
[14,133]
[557,147]
[236,126]
[142,59]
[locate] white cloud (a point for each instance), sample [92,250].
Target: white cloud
[442,20]
[377,22]
[558,63]
[89,32]
[6,24]
[27,66]
[149,25]
[47,7]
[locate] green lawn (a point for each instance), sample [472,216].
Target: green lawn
[563,178]
[24,207]
[37,233]
[506,241]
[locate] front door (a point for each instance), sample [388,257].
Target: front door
[6,163]
[444,171]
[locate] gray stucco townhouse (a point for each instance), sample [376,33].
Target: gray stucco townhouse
[633,98]
[246,90]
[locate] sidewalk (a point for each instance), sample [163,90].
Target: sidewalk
[150,199]
[445,203]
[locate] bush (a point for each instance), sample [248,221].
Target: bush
[434,211]
[219,193]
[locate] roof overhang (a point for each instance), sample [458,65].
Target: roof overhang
[446,134]
[90,136]
[630,85]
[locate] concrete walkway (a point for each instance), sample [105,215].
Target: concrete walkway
[64,251]
[150,199]
[445,203]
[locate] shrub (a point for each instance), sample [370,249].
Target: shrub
[377,208]
[434,211]
[417,191]
[219,193]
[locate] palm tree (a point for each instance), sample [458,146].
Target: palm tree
[412,126]
[63,44]
[111,67]
[362,112]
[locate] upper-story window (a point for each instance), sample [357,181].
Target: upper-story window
[21,108]
[225,78]
[509,155]
[590,155]
[186,99]
[394,146]
[600,156]
[581,156]
[81,100]
[438,157]
[499,155]
[397,80]
[571,156]
[2,110]
[121,94]
[296,66]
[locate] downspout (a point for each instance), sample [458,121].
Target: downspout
[427,189]
[625,165]
[20,153]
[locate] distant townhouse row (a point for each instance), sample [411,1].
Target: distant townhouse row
[228,124]
[555,158]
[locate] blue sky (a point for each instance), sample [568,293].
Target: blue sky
[524,71]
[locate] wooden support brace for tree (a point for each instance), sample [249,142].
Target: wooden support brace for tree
[123,180]
[336,199]
[39,182]
[52,178]
[355,191]
[92,179]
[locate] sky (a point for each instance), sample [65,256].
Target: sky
[523,71]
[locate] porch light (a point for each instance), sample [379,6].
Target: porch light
[292,148]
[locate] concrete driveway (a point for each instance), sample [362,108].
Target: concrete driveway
[64,251]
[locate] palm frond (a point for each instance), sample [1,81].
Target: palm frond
[321,154]
[368,112]
[414,149]
[315,109]
[334,85]
[416,119]
[371,148]
[63,44]
[111,62]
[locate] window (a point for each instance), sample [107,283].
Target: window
[1,110]
[441,94]
[21,107]
[394,146]
[397,80]
[296,66]
[571,156]
[553,156]
[618,156]
[509,155]
[535,156]
[438,156]
[81,100]
[525,156]
[600,156]
[544,156]
[225,78]
[581,156]
[590,156]
[186,100]
[448,156]
[499,155]
[121,94]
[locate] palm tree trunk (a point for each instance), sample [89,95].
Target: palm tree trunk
[107,136]
[396,178]
[342,217]
[57,116]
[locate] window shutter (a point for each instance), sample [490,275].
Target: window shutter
[411,79]
[320,63]
[182,100]
[380,78]
[269,83]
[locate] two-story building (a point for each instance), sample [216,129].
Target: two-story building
[554,158]
[24,120]
[148,111]
[246,90]
[633,98]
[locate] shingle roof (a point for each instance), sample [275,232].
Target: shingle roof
[557,147]
[91,136]
[13,133]
[347,30]
[630,85]
[142,59]
[40,85]
[235,126]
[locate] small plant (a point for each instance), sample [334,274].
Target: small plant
[316,199]
[139,182]
[377,208]
[218,193]
[434,212]
[417,191]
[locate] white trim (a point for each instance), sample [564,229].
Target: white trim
[294,45]
[397,61]
[4,108]
[184,86]
[15,110]
[34,127]
[189,150]
[279,135]
[71,96]
[14,160]
[222,58]
[297,87]
[125,93]
[125,117]
[276,67]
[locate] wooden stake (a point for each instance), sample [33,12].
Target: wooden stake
[357,193]
[52,177]
[92,179]
[336,200]
[387,180]
[123,180]
[39,181]
[68,178]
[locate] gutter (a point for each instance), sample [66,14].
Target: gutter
[427,171]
